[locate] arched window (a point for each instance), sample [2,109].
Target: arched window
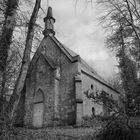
[91,87]
[38,98]
[93,111]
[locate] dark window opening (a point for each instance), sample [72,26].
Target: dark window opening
[91,86]
[93,111]
[38,98]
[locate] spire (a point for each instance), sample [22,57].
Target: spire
[49,14]
[49,23]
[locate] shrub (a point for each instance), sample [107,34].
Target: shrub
[117,128]
[92,121]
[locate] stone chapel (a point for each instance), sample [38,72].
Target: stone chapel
[57,78]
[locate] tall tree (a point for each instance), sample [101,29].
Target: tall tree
[25,62]
[129,12]
[6,38]
[128,75]
[122,20]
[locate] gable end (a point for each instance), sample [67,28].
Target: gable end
[64,50]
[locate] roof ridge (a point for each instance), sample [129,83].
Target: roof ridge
[72,54]
[61,46]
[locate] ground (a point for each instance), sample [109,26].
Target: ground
[67,133]
[90,129]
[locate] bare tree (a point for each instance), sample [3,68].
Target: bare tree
[25,62]
[6,37]
[122,20]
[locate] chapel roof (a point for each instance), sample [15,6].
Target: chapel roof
[72,56]
[85,66]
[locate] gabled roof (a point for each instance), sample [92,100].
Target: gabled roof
[36,57]
[72,56]
[85,67]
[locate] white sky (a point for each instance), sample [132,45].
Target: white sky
[79,29]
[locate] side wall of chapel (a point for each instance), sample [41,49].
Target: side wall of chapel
[88,104]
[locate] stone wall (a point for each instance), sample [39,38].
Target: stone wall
[41,77]
[67,88]
[87,81]
[45,82]
[60,106]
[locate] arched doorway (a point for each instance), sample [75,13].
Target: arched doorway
[38,109]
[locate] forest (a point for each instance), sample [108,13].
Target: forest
[21,34]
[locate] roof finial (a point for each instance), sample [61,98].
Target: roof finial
[49,23]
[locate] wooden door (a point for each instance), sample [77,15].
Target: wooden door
[38,115]
[38,109]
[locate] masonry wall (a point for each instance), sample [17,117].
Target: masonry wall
[66,101]
[88,103]
[41,77]
[87,81]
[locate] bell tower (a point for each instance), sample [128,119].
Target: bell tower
[49,23]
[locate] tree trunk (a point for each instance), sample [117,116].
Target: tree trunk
[12,106]
[6,38]
[5,42]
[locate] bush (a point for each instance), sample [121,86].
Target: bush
[92,121]
[117,128]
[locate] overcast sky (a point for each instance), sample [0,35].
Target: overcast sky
[79,29]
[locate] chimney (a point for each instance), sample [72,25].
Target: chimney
[49,23]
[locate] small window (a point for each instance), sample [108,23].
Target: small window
[93,111]
[91,86]
[38,96]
